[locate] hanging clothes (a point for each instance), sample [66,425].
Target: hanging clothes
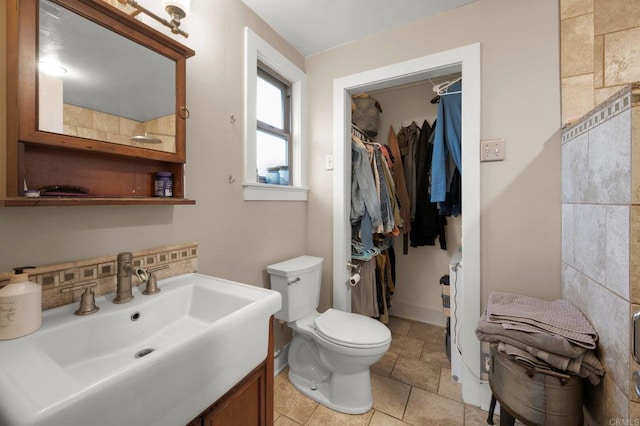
[407,141]
[428,224]
[447,140]
[364,299]
[373,202]
[397,172]
[365,215]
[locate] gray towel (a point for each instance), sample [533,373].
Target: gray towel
[587,366]
[560,317]
[560,362]
[543,341]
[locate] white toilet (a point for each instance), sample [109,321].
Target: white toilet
[330,354]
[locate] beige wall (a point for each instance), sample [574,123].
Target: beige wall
[237,238]
[520,197]
[520,221]
[599,46]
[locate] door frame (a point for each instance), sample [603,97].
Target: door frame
[467,60]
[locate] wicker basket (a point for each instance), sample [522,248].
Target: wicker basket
[533,397]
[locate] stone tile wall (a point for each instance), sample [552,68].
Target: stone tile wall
[91,124]
[599,239]
[56,279]
[599,45]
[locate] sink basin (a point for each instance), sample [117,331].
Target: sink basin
[158,359]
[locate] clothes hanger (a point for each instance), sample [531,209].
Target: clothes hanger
[441,89]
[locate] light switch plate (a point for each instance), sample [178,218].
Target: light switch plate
[328,162]
[492,150]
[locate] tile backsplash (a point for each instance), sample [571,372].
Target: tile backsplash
[63,283]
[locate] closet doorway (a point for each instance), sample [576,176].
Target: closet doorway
[465,60]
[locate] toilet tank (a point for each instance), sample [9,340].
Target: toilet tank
[298,281]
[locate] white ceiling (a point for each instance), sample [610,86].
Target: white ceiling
[313,26]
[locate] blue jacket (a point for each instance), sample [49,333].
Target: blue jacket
[447,140]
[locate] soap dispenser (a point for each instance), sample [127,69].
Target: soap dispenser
[20,306]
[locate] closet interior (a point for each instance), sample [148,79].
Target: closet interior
[402,242]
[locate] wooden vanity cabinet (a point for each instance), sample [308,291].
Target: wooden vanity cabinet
[249,403]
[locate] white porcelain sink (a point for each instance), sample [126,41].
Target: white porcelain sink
[194,340]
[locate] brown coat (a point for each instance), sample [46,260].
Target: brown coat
[397,171]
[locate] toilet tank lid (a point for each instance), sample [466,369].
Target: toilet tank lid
[296,266]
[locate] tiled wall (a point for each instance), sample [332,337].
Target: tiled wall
[600,52]
[56,279]
[599,239]
[87,123]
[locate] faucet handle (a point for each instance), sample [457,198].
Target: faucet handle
[87,299]
[152,282]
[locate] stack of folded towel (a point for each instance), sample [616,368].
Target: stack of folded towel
[546,335]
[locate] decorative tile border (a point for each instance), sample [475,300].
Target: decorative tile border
[616,104]
[180,258]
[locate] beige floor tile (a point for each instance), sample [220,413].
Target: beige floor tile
[324,416]
[407,346]
[285,421]
[448,387]
[433,336]
[424,331]
[426,408]
[384,366]
[416,373]
[381,419]
[474,416]
[399,325]
[437,358]
[280,377]
[291,403]
[389,396]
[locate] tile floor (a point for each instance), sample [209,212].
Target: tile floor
[411,386]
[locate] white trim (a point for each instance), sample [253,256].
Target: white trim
[418,313]
[467,60]
[256,49]
[257,191]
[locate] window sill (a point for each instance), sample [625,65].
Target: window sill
[266,192]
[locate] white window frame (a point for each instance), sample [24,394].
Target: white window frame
[256,49]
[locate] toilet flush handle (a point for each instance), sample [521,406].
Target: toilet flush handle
[294,281]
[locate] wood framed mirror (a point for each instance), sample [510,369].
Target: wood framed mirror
[124,89]
[123,95]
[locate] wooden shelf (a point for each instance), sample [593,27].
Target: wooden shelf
[93,201]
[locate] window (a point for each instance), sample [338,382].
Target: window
[273,100]
[275,131]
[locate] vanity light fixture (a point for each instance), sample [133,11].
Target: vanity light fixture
[177,10]
[148,137]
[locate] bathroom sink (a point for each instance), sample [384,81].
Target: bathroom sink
[158,359]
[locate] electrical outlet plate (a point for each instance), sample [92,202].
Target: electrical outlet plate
[485,360]
[492,150]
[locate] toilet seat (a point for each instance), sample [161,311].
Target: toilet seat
[351,330]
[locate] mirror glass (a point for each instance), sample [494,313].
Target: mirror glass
[96,84]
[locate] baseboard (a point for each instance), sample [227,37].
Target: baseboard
[418,313]
[281,359]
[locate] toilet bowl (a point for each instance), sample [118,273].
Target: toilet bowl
[331,352]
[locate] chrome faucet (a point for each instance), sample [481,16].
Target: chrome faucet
[123,277]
